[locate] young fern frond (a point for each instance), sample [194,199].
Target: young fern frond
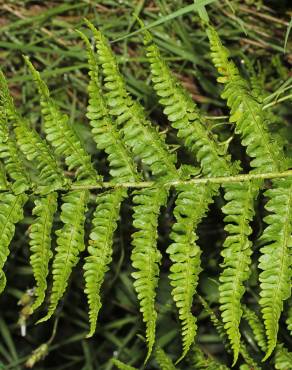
[40,244]
[163,360]
[144,140]
[10,213]
[256,326]
[267,155]
[70,242]
[104,224]
[239,212]
[61,134]
[145,255]
[36,150]
[275,261]
[191,206]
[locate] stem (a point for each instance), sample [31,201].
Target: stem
[201,180]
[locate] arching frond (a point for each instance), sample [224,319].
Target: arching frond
[3,180]
[239,212]
[70,242]
[163,360]
[36,150]
[144,140]
[275,261]
[10,213]
[14,166]
[104,223]
[145,255]
[185,117]
[191,206]
[289,319]
[246,111]
[61,134]
[104,130]
[40,243]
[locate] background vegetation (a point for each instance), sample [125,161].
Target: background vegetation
[257,33]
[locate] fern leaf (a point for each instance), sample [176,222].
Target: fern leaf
[61,134]
[50,176]
[246,111]
[191,206]
[40,243]
[145,255]
[96,264]
[185,117]
[144,140]
[105,133]
[239,212]
[275,261]
[70,242]
[3,180]
[163,360]
[200,361]
[256,326]
[121,366]
[283,358]
[10,213]
[14,166]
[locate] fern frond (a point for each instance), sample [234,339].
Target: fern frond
[121,366]
[14,166]
[36,150]
[239,212]
[275,261]
[3,179]
[246,111]
[40,243]
[104,224]
[145,255]
[256,326]
[144,140]
[70,242]
[61,134]
[11,212]
[105,133]
[219,326]
[185,117]
[163,360]
[200,361]
[191,206]
[283,358]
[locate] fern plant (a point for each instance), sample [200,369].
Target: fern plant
[54,167]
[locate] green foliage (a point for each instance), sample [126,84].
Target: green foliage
[140,157]
[163,360]
[70,242]
[40,243]
[10,214]
[104,223]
